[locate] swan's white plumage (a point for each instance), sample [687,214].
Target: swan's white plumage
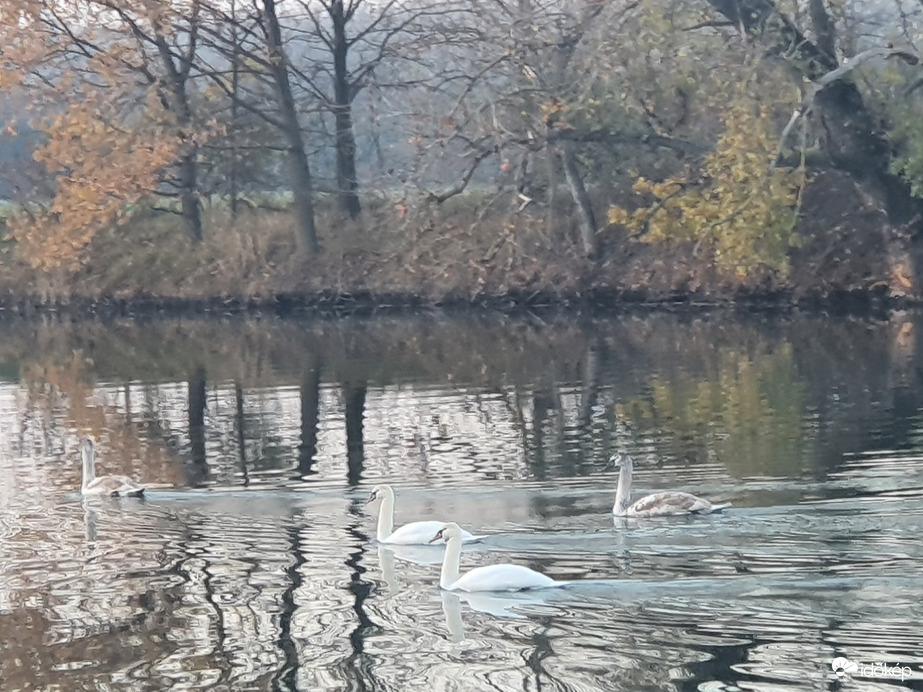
[103,485]
[668,503]
[415,533]
[489,578]
[501,578]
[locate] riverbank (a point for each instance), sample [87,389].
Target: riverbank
[327,304]
[467,253]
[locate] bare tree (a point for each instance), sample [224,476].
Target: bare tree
[264,88]
[349,43]
[176,51]
[523,91]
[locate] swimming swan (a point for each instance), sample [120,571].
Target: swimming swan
[488,578]
[416,533]
[112,486]
[663,504]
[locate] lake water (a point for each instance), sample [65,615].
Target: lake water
[252,564]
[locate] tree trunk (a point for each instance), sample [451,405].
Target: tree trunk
[189,195]
[578,191]
[303,195]
[302,184]
[347,184]
[551,193]
[823,27]
[188,165]
[235,87]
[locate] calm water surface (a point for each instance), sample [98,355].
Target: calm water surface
[252,563]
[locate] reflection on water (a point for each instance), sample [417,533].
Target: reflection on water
[252,565]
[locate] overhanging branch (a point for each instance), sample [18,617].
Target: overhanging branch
[907,55]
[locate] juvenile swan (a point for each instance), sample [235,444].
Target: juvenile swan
[489,578]
[416,533]
[104,485]
[657,505]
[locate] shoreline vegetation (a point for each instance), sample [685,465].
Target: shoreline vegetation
[450,256]
[288,156]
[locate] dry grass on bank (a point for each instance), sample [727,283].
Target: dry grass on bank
[471,246]
[466,247]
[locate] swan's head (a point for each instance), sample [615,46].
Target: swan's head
[619,460]
[449,531]
[379,492]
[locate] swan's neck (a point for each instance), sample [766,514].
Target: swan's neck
[89,466]
[623,494]
[386,518]
[450,563]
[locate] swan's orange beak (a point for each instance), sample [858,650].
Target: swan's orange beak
[372,498]
[437,537]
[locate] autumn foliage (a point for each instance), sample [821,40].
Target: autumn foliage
[104,166]
[105,100]
[738,205]
[549,129]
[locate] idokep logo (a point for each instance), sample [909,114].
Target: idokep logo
[843,667]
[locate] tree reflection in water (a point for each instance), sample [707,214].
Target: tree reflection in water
[252,568]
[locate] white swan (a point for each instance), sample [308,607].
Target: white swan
[103,485]
[416,533]
[663,504]
[489,578]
